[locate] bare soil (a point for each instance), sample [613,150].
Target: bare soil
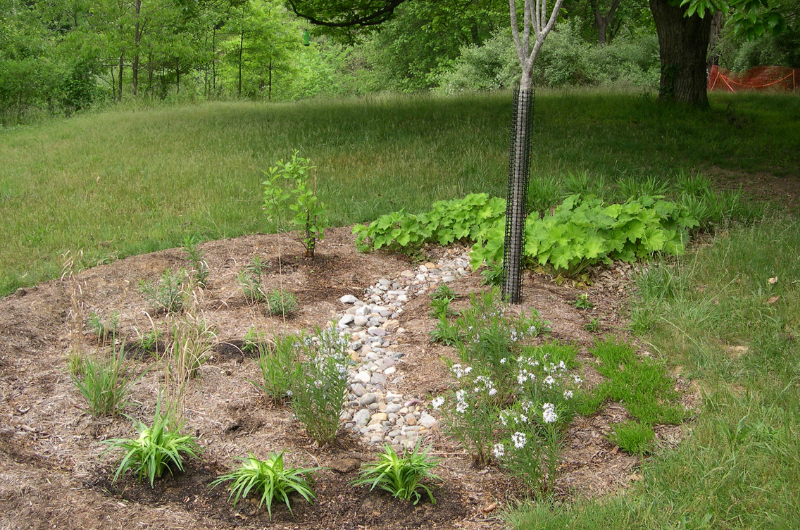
[52,470]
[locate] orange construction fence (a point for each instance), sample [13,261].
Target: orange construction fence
[758,78]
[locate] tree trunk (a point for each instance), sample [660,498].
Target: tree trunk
[602,22]
[716,28]
[137,36]
[269,96]
[241,48]
[683,47]
[121,67]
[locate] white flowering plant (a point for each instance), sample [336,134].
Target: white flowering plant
[320,384]
[470,411]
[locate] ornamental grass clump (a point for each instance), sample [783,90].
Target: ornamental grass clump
[400,476]
[159,447]
[270,479]
[103,380]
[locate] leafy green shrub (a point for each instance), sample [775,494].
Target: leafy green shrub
[633,437]
[102,380]
[167,293]
[278,364]
[281,303]
[400,476]
[583,232]
[271,479]
[156,449]
[440,308]
[309,213]
[448,221]
[320,384]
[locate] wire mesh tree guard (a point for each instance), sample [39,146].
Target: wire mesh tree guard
[517,196]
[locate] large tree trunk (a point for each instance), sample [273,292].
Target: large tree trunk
[683,46]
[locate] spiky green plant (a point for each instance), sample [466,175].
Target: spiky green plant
[400,476]
[271,479]
[156,449]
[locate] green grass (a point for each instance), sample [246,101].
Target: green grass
[714,313]
[119,183]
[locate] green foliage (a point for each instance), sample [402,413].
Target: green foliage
[103,380]
[310,214]
[493,274]
[270,479]
[199,267]
[400,476]
[167,292]
[633,437]
[583,302]
[440,308]
[641,385]
[447,221]
[278,364]
[251,340]
[158,447]
[105,329]
[442,293]
[320,384]
[281,302]
[593,325]
[585,231]
[249,280]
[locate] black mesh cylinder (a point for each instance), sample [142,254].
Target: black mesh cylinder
[516,200]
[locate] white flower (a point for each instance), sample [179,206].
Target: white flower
[461,407]
[437,402]
[289,393]
[526,405]
[549,414]
[549,381]
[499,450]
[503,361]
[562,366]
[519,439]
[568,394]
[504,418]
[461,395]
[577,379]
[522,377]
[467,370]
[523,418]
[492,391]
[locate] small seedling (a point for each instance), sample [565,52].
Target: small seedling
[195,257]
[401,477]
[150,341]
[583,302]
[443,292]
[156,449]
[493,274]
[278,364]
[251,340]
[104,329]
[440,308]
[593,325]
[270,479]
[249,280]
[166,293]
[281,303]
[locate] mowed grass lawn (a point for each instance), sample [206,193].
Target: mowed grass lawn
[120,182]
